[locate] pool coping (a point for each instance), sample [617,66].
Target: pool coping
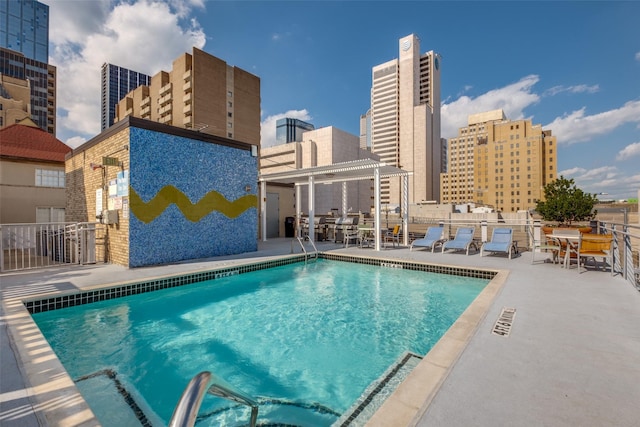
[47,380]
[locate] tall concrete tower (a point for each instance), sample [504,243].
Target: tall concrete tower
[405,120]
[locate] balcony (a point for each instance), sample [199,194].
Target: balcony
[165,119]
[145,111]
[145,102]
[187,75]
[187,109]
[187,98]
[165,99]
[187,121]
[165,89]
[187,86]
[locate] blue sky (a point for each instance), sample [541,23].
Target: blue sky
[573,67]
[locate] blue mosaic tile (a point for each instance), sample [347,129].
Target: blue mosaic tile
[195,168]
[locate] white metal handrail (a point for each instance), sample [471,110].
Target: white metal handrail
[186,411]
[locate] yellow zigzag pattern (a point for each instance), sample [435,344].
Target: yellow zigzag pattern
[148,211]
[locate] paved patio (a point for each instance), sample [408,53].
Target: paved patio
[571,357]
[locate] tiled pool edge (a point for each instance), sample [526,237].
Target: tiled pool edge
[54,396]
[412,398]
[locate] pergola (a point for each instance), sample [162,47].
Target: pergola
[339,172]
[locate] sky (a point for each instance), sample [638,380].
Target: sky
[572,67]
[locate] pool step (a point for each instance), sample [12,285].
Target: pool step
[377,392]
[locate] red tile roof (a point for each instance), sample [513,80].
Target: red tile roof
[30,143]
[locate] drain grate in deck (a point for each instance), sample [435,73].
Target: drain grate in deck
[502,327]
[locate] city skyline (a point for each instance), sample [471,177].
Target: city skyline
[573,67]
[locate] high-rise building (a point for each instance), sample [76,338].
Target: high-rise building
[405,120]
[291,130]
[24,55]
[365,131]
[117,82]
[42,81]
[500,163]
[203,93]
[24,27]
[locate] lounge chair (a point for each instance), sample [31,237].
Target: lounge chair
[463,240]
[431,239]
[594,246]
[546,243]
[501,241]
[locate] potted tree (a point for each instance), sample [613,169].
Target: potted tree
[564,203]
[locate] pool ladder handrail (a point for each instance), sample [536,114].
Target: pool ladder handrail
[306,254]
[186,411]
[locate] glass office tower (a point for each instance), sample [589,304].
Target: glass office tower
[24,54]
[290,130]
[116,83]
[24,27]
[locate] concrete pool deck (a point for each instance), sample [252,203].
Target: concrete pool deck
[571,357]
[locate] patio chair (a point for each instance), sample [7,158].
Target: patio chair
[501,241]
[546,243]
[592,246]
[463,240]
[431,239]
[351,236]
[392,236]
[569,241]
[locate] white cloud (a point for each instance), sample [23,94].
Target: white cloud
[268,125]
[572,89]
[76,141]
[630,150]
[513,99]
[576,127]
[145,36]
[638,56]
[568,173]
[605,179]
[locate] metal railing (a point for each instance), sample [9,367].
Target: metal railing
[186,411]
[307,255]
[30,246]
[625,259]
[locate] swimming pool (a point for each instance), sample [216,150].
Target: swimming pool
[299,335]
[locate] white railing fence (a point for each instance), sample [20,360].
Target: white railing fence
[29,246]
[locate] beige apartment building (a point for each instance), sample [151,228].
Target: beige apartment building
[319,147]
[32,176]
[203,93]
[15,100]
[405,121]
[500,163]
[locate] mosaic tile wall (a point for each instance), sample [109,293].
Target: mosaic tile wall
[164,169]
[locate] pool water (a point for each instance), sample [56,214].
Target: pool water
[304,339]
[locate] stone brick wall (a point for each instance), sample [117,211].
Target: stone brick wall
[82,181]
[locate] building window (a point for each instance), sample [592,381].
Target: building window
[230,135]
[229,125]
[230,104]
[44,215]
[49,178]
[229,94]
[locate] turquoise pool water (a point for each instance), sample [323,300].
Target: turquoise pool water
[305,339]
